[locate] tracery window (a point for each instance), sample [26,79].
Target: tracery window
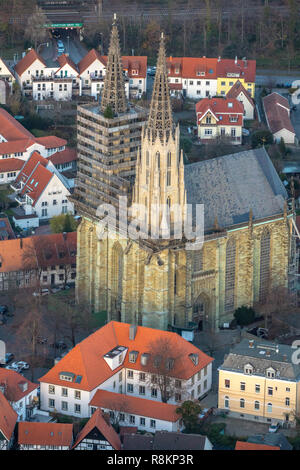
[230,275]
[264,277]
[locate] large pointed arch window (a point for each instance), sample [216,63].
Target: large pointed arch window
[264,275]
[230,275]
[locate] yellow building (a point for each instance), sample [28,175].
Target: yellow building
[230,71]
[258,381]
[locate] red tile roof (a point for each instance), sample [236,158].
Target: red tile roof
[235,91]
[50,249]
[245,68]
[51,141]
[88,59]
[37,182]
[219,107]
[240,445]
[66,156]
[98,421]
[87,360]
[8,418]
[11,129]
[277,111]
[45,434]
[175,86]
[13,383]
[135,405]
[27,61]
[30,165]
[15,146]
[10,164]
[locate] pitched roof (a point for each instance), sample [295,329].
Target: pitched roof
[277,113]
[135,405]
[15,385]
[50,249]
[98,421]
[51,141]
[37,182]
[222,109]
[45,434]
[245,69]
[65,156]
[86,358]
[6,231]
[137,63]
[10,164]
[15,146]
[240,445]
[8,418]
[30,165]
[164,440]
[231,185]
[27,61]
[88,59]
[237,89]
[64,59]
[11,129]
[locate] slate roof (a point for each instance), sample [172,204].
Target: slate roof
[231,185]
[281,361]
[164,440]
[271,439]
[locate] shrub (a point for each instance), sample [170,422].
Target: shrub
[261,137]
[108,113]
[244,315]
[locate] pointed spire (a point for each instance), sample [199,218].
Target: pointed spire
[113,93]
[160,122]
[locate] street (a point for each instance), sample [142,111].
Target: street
[73,47]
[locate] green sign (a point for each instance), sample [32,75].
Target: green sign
[64,25]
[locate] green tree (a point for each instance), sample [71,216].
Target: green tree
[69,223]
[244,315]
[63,223]
[189,411]
[108,113]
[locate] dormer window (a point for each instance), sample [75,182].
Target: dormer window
[133,356]
[270,373]
[67,376]
[248,369]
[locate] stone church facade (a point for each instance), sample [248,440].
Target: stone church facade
[160,283]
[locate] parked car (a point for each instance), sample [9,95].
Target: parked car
[205,414]
[274,427]
[20,365]
[41,293]
[13,366]
[41,340]
[3,309]
[9,357]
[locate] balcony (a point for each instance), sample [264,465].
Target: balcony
[51,78]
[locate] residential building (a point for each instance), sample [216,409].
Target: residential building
[163,440]
[127,410]
[61,79]
[9,169]
[259,381]
[244,199]
[97,434]
[6,74]
[38,260]
[239,92]
[277,112]
[220,118]
[4,91]
[41,191]
[45,436]
[117,358]
[8,419]
[20,392]
[203,77]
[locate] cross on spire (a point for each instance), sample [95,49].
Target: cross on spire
[113,93]
[160,122]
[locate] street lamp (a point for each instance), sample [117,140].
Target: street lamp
[68,37]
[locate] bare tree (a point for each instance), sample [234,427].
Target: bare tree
[35,30]
[163,358]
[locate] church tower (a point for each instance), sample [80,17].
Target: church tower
[159,185]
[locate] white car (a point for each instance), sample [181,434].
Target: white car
[274,427]
[20,365]
[41,293]
[10,367]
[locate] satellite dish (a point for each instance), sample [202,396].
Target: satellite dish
[2,352]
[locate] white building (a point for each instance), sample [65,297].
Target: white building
[116,358]
[8,419]
[277,112]
[239,93]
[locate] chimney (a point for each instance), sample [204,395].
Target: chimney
[219,58]
[21,243]
[235,60]
[132,332]
[144,359]
[251,343]
[65,236]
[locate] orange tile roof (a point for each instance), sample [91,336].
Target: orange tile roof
[277,113]
[11,129]
[191,66]
[37,182]
[66,156]
[30,165]
[10,164]
[8,418]
[246,69]
[88,59]
[240,445]
[98,421]
[86,358]
[27,61]
[15,146]
[238,88]
[51,141]
[135,405]
[47,248]
[45,434]
[12,381]
[220,107]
